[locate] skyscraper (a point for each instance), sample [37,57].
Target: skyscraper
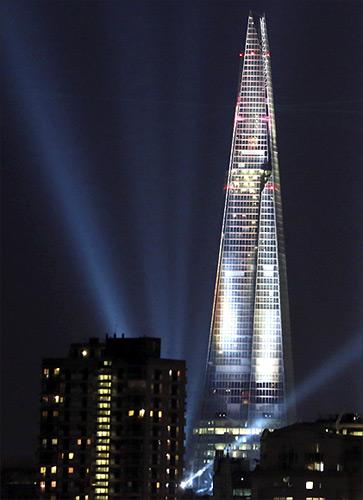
[112,422]
[249,370]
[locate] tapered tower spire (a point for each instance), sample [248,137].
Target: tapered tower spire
[249,374]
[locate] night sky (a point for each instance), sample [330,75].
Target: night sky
[116,129]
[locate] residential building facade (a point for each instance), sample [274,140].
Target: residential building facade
[112,422]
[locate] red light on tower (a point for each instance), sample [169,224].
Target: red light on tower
[241,54]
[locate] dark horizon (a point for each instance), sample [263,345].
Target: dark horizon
[116,130]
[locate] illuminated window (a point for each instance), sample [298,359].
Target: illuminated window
[56,371]
[46,372]
[84,353]
[131,413]
[44,413]
[56,398]
[309,485]
[70,455]
[79,441]
[43,470]
[70,470]
[42,485]
[53,484]
[53,469]
[151,413]
[44,442]
[88,440]
[141,412]
[54,441]
[160,413]
[158,485]
[55,413]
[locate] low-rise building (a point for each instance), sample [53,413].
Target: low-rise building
[322,460]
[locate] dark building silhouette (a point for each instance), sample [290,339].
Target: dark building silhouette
[322,460]
[304,461]
[112,422]
[232,477]
[19,482]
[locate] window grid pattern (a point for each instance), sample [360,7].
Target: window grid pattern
[246,328]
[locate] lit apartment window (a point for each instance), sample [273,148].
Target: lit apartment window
[54,441]
[141,412]
[53,484]
[131,413]
[84,353]
[79,441]
[309,485]
[44,413]
[70,470]
[56,371]
[42,485]
[46,372]
[70,455]
[53,469]
[43,470]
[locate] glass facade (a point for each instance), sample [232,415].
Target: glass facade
[249,372]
